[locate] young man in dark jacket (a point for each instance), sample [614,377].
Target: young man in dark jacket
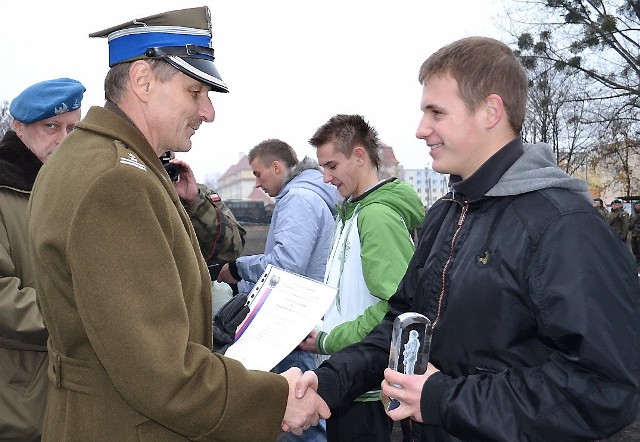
[533,300]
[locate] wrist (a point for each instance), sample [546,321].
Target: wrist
[233,269]
[328,388]
[321,339]
[194,197]
[192,204]
[433,392]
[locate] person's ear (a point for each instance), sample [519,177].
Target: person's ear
[494,110]
[17,127]
[141,78]
[277,167]
[360,153]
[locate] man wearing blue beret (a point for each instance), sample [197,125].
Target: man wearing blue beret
[122,285]
[43,115]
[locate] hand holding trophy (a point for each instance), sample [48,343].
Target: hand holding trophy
[410,345]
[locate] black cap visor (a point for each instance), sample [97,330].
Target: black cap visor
[200,69]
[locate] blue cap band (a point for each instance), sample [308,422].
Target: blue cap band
[133,42]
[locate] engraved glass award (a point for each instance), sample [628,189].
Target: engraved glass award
[410,345]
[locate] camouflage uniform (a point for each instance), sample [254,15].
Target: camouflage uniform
[634,228]
[603,211]
[220,236]
[619,222]
[599,205]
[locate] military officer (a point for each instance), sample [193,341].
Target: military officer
[123,288]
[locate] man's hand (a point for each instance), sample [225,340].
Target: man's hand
[186,186]
[407,390]
[309,343]
[309,379]
[225,275]
[304,407]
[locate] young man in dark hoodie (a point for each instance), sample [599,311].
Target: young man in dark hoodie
[533,300]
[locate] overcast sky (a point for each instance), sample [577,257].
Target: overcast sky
[290,64]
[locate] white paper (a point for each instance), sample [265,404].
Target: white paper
[285,307]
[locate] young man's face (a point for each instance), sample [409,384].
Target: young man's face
[176,108]
[42,137]
[268,177]
[339,170]
[453,134]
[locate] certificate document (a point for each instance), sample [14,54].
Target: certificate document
[284,308]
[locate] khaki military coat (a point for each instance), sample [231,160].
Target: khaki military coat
[23,338]
[126,297]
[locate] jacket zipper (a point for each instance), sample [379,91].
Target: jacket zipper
[463,215]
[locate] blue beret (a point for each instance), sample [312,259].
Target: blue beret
[46,99]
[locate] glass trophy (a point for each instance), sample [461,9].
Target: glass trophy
[410,345]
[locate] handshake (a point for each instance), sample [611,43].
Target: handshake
[305,407]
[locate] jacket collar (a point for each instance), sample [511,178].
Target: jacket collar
[487,175]
[18,165]
[112,122]
[370,190]
[349,204]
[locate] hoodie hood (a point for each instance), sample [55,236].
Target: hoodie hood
[536,169]
[307,174]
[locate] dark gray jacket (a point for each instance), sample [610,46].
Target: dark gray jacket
[537,334]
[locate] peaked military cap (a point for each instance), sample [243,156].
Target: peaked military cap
[47,98]
[182,38]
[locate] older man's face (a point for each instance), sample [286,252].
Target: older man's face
[42,137]
[176,108]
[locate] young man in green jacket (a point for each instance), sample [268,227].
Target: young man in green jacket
[371,249]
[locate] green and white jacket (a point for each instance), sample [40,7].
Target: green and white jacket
[371,248]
